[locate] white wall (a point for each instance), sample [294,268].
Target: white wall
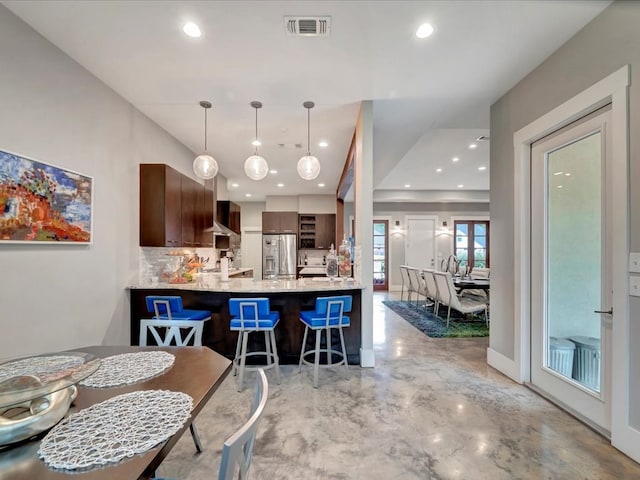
[281,203]
[251,214]
[317,204]
[56,297]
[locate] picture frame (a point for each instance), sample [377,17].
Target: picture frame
[42,203]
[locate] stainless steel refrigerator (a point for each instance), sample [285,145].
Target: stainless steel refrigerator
[279,256]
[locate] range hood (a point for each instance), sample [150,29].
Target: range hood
[219,230]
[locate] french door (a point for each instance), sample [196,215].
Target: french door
[380,255]
[571,268]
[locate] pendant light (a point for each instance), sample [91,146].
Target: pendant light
[205,166]
[308,166]
[256,167]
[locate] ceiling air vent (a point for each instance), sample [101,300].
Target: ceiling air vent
[308,26]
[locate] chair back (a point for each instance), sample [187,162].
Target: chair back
[417,283]
[430,281]
[249,309]
[480,272]
[237,451]
[163,305]
[404,274]
[333,308]
[442,283]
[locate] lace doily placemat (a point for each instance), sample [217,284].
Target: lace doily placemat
[45,368]
[129,368]
[115,429]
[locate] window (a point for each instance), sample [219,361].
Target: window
[471,242]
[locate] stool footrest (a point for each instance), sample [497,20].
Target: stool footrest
[324,365]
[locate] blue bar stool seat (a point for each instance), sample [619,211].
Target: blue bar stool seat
[176,320]
[253,315]
[170,316]
[329,314]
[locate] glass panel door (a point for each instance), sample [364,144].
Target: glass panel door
[570,285]
[380,260]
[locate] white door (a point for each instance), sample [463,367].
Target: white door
[420,246]
[571,293]
[252,251]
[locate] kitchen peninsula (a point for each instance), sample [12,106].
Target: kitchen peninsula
[288,297]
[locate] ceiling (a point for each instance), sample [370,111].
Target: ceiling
[431,97]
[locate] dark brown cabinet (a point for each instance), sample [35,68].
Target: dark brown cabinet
[228,214]
[279,222]
[174,209]
[316,230]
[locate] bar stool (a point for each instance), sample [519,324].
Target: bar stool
[253,315]
[328,315]
[170,315]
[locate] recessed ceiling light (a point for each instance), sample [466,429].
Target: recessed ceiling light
[472,146]
[455,159]
[321,185]
[280,185]
[234,185]
[438,170]
[323,144]
[256,143]
[559,186]
[247,194]
[461,186]
[192,30]
[482,168]
[567,174]
[407,185]
[273,172]
[558,173]
[424,30]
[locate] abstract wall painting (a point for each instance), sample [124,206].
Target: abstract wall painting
[42,203]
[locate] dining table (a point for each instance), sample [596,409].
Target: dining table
[470,283]
[196,371]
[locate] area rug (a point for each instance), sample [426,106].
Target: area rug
[436,327]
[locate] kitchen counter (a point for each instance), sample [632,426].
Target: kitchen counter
[307,270]
[287,297]
[233,272]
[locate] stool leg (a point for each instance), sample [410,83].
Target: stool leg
[196,437]
[304,343]
[316,362]
[243,358]
[344,350]
[275,355]
[235,360]
[267,347]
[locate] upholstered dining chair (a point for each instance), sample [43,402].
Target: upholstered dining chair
[406,282]
[418,284]
[432,289]
[447,296]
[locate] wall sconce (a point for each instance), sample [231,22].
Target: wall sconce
[397,230]
[444,230]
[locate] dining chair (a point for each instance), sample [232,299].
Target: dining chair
[406,282]
[447,296]
[418,284]
[432,289]
[237,450]
[169,323]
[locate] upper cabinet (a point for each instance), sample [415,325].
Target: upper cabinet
[317,230]
[229,215]
[279,222]
[174,209]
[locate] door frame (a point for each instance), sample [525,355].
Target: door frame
[615,89]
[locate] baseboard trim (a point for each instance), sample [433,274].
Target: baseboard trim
[367,358]
[504,365]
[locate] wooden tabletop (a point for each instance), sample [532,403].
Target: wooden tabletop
[197,371]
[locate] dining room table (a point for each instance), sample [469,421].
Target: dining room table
[471,283]
[196,371]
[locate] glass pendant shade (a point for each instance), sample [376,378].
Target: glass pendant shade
[308,167]
[205,166]
[256,167]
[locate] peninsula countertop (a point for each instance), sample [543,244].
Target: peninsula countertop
[212,283]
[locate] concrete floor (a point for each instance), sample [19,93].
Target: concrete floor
[431,409]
